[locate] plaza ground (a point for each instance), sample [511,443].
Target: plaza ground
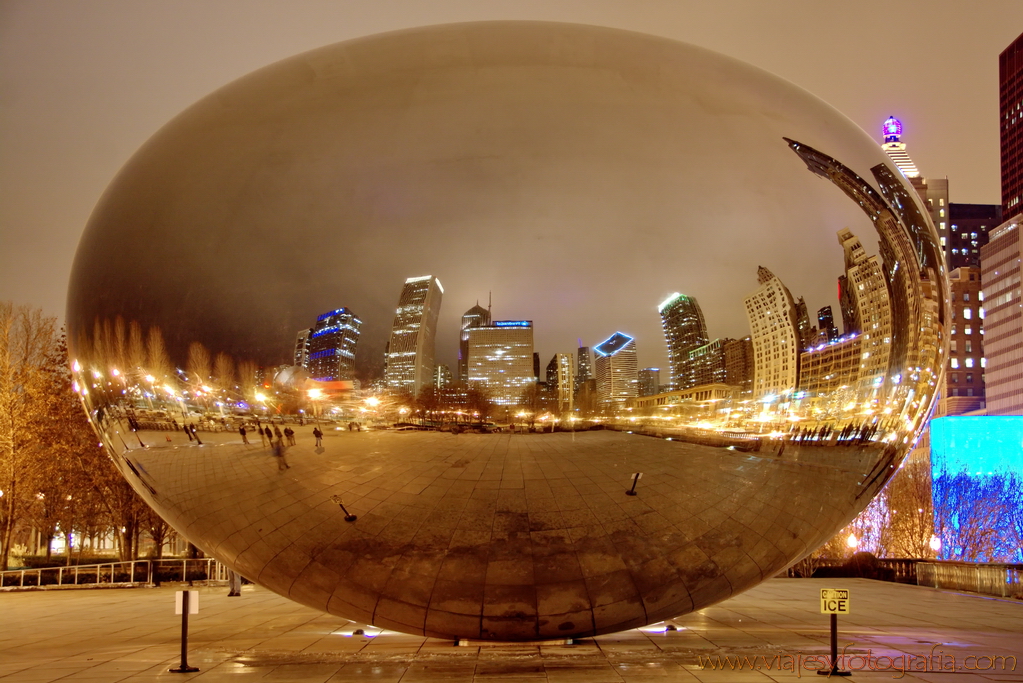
[113,635]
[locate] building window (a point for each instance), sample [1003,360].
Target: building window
[966,330]
[966,296]
[954,376]
[955,362]
[967,313]
[969,378]
[969,362]
[969,346]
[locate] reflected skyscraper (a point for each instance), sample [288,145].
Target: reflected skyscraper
[617,370]
[332,345]
[500,359]
[410,359]
[477,316]
[649,381]
[772,321]
[707,363]
[442,376]
[826,323]
[684,330]
[869,291]
[584,366]
[560,382]
[807,332]
[302,347]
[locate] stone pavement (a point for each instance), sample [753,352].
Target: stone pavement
[116,635]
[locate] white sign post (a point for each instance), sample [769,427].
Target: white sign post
[834,601]
[185,603]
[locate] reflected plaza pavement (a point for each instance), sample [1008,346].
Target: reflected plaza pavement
[132,635]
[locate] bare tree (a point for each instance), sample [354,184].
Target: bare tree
[159,363]
[26,337]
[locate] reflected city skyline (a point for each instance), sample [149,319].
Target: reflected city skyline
[489,459]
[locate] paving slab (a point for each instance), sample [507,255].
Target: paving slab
[773,632]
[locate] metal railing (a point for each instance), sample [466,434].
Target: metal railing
[1004,580]
[128,573]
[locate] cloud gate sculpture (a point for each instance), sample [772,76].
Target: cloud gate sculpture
[257,329]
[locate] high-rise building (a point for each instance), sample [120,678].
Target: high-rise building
[933,192]
[707,363]
[442,378]
[536,366]
[964,377]
[410,359]
[739,365]
[847,304]
[332,345]
[584,366]
[477,316]
[826,323]
[1001,309]
[649,381]
[500,359]
[772,321]
[302,347]
[807,332]
[1010,100]
[560,382]
[617,370]
[684,330]
[895,148]
[869,291]
[969,225]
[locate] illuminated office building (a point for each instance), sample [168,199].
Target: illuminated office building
[500,359]
[649,381]
[442,378]
[1010,100]
[968,232]
[410,359]
[1002,314]
[332,345]
[772,319]
[707,363]
[617,370]
[964,376]
[684,330]
[477,316]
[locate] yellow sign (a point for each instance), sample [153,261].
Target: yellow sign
[834,601]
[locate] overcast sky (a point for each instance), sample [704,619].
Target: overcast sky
[83,85]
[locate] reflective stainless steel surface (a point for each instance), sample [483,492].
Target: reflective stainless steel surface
[581,173]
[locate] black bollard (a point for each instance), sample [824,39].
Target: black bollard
[184,668]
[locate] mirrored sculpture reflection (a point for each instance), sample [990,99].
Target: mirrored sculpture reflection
[258,333]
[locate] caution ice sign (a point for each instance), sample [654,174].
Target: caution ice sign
[834,601]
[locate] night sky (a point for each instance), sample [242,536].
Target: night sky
[82,87]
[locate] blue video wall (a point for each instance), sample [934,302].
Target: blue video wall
[977,485]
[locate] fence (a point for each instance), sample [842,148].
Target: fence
[1005,580]
[134,572]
